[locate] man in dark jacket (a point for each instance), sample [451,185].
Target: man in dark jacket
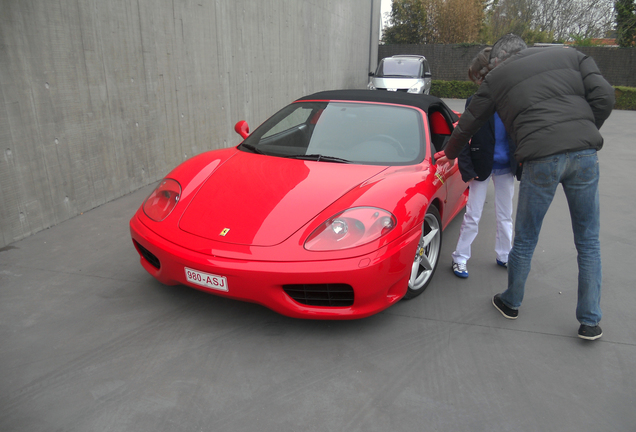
[552,102]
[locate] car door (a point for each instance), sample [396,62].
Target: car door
[441,128]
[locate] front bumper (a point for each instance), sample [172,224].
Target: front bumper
[378,279]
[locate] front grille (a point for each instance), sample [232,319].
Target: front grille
[148,256]
[333,295]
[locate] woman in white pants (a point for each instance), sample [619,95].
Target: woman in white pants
[489,156]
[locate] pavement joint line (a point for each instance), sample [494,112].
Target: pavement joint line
[604,339]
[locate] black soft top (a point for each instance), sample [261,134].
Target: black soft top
[426,103]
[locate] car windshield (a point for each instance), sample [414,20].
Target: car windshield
[342,132]
[404,67]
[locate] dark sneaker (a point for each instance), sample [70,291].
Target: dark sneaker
[502,264]
[460,270]
[505,310]
[590,333]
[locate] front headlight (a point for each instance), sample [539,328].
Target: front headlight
[353,227]
[370,86]
[162,200]
[418,87]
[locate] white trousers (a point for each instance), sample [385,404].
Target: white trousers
[504,191]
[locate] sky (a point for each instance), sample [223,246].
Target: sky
[384,8]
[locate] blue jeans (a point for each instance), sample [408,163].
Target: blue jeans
[578,172]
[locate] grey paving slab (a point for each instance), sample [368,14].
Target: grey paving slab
[90,342]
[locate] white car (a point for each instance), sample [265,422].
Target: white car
[405,73]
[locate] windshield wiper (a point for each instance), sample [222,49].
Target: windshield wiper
[251,148]
[319,157]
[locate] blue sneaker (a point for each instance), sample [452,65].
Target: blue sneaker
[502,264]
[460,270]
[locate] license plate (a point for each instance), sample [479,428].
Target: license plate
[391,89]
[207,280]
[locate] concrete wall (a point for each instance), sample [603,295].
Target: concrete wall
[101,97]
[450,62]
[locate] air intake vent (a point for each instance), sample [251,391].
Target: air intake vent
[334,295]
[148,256]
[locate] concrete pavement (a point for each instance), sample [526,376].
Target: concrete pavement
[90,342]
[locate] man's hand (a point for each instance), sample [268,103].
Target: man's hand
[443,161]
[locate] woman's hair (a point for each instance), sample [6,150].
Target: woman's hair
[479,66]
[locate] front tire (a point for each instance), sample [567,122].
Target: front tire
[426,255]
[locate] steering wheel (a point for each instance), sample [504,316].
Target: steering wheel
[390,140]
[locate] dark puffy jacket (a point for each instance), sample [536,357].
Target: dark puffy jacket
[551,100]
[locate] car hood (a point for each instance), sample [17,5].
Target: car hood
[262,200]
[398,83]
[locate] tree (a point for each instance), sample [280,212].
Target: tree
[408,23]
[459,21]
[625,22]
[580,19]
[548,20]
[434,21]
[467,21]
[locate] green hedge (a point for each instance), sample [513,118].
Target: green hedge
[453,89]
[625,96]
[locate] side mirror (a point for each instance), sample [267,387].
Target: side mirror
[242,128]
[371,73]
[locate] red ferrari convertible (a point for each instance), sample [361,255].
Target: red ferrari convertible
[332,209]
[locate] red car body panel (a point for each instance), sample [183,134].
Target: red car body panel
[229,199]
[267,206]
[261,281]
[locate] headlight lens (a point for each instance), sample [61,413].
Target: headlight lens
[418,87]
[353,227]
[162,200]
[370,86]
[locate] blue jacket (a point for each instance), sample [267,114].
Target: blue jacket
[476,159]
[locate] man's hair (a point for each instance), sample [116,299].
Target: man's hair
[478,68]
[505,47]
